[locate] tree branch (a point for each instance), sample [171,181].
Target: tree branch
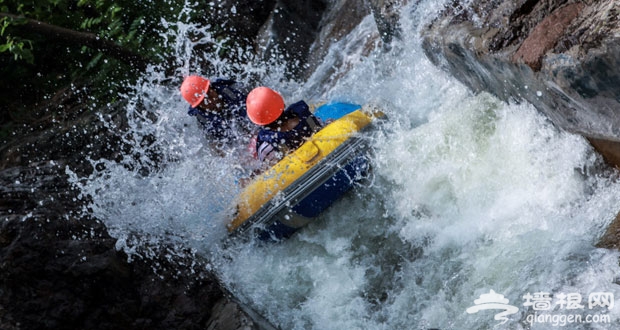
[68,36]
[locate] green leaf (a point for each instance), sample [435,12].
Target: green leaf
[4,23]
[94,62]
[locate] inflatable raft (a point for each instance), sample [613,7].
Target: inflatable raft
[293,192]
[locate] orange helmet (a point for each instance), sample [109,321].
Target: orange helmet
[264,105]
[194,89]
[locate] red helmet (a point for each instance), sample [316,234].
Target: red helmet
[194,89]
[264,105]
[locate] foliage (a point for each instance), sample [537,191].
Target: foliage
[21,49]
[132,25]
[47,46]
[34,66]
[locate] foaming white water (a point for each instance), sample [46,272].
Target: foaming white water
[469,195]
[490,197]
[498,199]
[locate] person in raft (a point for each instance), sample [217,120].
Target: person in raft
[219,107]
[281,130]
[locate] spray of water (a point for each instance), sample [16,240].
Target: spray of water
[169,188]
[468,195]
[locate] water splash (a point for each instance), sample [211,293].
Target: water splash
[169,187]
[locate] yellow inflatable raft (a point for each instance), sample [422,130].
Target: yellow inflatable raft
[307,181]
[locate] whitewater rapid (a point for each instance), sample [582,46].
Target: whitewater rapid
[467,195]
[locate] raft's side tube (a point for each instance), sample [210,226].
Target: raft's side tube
[333,111]
[265,186]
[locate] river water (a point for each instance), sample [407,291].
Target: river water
[467,195]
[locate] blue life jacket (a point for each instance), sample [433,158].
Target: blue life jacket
[269,140]
[229,124]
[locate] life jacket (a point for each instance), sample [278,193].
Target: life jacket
[232,122]
[269,140]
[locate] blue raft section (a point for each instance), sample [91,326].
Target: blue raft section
[335,111]
[322,197]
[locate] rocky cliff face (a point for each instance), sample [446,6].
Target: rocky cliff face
[303,31]
[562,56]
[66,274]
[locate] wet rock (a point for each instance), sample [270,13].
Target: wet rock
[301,32]
[67,274]
[558,55]
[611,237]
[289,32]
[65,131]
[609,150]
[387,16]
[61,271]
[546,35]
[229,316]
[338,20]
[241,19]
